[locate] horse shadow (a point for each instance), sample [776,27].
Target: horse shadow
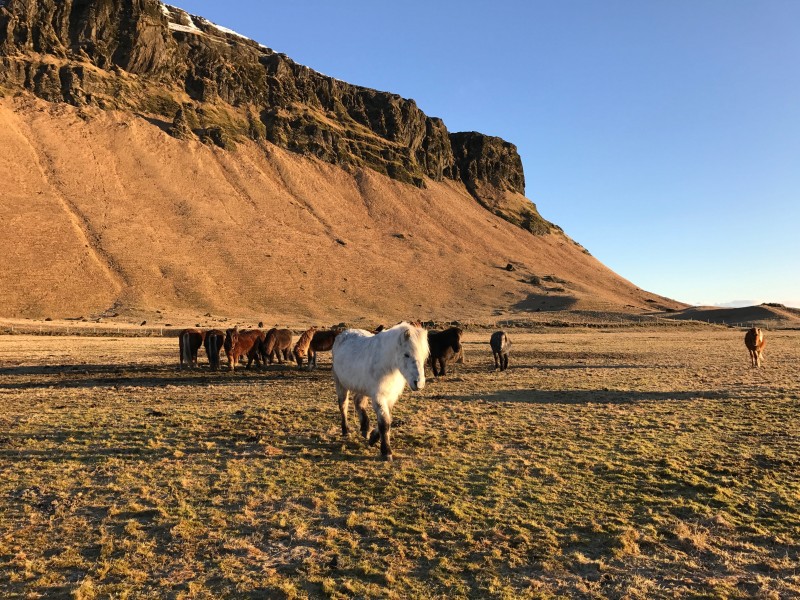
[145,376]
[583,397]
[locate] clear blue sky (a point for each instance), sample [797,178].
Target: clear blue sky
[664,136]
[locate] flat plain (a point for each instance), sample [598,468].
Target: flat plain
[624,463]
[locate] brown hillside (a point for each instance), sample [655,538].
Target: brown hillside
[104,212]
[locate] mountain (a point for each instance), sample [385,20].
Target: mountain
[156,161]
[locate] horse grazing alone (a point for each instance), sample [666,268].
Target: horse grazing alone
[501,346]
[242,343]
[189,342]
[215,340]
[445,347]
[377,368]
[755,342]
[276,344]
[301,347]
[321,342]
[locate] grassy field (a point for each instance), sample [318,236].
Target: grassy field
[603,464]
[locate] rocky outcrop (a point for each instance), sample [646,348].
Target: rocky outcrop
[145,56]
[482,159]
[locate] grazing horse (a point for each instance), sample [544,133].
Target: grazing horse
[321,342]
[445,347]
[501,346]
[377,368]
[277,344]
[189,342]
[301,348]
[215,340]
[755,342]
[242,343]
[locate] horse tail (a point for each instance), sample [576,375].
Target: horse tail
[213,350]
[185,351]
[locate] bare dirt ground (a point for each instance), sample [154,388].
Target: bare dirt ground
[604,464]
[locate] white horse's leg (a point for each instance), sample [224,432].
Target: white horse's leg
[384,414]
[343,396]
[362,403]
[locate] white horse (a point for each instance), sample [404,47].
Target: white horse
[377,367]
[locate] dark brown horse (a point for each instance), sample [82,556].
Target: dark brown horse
[501,346]
[445,347]
[321,342]
[242,343]
[189,342]
[277,344]
[214,342]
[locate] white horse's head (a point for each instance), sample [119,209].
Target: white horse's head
[413,354]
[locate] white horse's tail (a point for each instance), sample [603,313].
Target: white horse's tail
[185,351]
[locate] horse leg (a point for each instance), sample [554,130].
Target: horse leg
[496,356]
[384,427]
[343,396]
[505,362]
[443,366]
[361,403]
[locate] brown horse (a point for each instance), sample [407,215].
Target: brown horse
[215,340]
[445,347]
[301,347]
[189,342]
[277,344]
[501,345]
[321,342]
[242,343]
[755,342]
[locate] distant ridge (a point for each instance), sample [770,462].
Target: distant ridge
[767,314]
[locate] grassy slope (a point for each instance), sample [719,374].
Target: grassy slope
[106,213]
[603,464]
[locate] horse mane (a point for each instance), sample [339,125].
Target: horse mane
[301,347]
[417,336]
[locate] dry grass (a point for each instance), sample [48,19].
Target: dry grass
[619,464]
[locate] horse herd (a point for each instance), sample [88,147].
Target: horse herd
[369,367]
[262,348]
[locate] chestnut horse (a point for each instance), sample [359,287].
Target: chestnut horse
[445,347]
[301,347]
[189,342]
[755,342]
[242,343]
[215,340]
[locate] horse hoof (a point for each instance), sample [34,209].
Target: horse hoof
[374,438]
[388,457]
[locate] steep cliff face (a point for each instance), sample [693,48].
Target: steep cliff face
[491,169]
[145,56]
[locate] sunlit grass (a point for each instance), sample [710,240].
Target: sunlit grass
[634,464]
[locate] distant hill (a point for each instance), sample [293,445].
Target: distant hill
[156,162]
[763,315]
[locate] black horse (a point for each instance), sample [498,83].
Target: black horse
[445,347]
